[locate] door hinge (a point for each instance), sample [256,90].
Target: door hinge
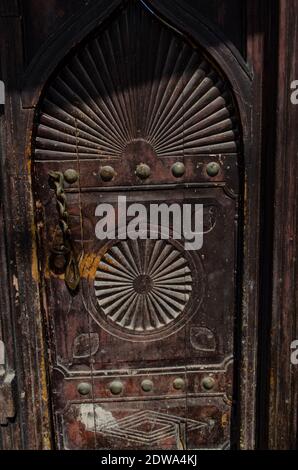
[7,376]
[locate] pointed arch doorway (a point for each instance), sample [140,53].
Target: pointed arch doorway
[141,332]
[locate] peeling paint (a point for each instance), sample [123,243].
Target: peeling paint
[46,436]
[88,265]
[34,264]
[15,284]
[225,419]
[95,418]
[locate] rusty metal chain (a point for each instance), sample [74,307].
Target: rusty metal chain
[72,274]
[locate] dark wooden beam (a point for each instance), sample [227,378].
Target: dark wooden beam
[284,375]
[21,318]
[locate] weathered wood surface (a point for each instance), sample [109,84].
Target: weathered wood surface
[165,325]
[255,32]
[9,8]
[20,317]
[284,375]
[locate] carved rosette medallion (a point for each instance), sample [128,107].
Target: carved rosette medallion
[146,287]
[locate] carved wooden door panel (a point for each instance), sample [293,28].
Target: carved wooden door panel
[140,330]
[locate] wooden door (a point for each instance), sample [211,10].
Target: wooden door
[140,331]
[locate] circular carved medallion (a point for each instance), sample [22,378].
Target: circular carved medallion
[145,287]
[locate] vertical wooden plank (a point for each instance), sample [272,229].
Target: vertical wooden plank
[250,296]
[9,437]
[284,376]
[32,420]
[267,121]
[9,8]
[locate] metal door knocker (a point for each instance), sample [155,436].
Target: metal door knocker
[62,258]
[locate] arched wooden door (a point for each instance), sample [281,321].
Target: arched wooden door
[140,331]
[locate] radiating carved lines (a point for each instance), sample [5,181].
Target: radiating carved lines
[149,427]
[143,285]
[137,79]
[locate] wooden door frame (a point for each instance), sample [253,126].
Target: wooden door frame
[283,388]
[22,304]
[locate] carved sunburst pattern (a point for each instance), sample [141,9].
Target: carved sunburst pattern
[137,79]
[143,285]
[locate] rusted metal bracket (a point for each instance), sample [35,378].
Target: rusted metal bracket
[63,255]
[7,376]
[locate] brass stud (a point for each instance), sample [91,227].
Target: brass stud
[84,388]
[179,384]
[178,169]
[147,385]
[116,387]
[143,171]
[107,173]
[71,176]
[213,169]
[208,383]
